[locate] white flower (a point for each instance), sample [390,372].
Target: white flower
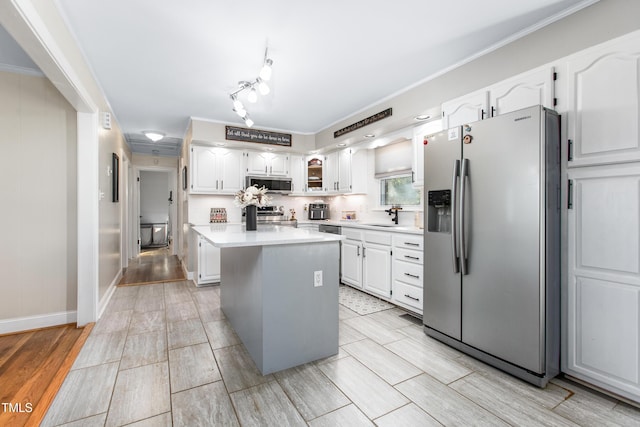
[252,196]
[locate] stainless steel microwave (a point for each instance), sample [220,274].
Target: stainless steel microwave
[273,184]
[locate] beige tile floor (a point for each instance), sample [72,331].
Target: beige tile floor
[164,355]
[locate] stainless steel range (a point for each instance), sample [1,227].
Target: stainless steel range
[272,215]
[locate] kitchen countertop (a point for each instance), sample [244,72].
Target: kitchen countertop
[378,226]
[235,235]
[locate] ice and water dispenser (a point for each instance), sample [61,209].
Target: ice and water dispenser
[439,211]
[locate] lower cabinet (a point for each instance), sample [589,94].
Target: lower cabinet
[387,265]
[407,272]
[351,262]
[208,263]
[376,263]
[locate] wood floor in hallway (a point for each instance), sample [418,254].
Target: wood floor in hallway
[153,266]
[33,366]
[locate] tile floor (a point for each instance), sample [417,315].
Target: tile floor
[164,355]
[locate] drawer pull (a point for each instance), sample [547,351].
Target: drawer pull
[410,297]
[412,244]
[412,257]
[412,275]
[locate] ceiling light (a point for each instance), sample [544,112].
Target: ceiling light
[265,73]
[153,135]
[369,135]
[263,86]
[422,117]
[342,144]
[253,95]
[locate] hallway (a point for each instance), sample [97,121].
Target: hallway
[153,266]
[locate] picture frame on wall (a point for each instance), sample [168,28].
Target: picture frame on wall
[115,178]
[184,178]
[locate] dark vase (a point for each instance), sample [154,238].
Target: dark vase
[251,213]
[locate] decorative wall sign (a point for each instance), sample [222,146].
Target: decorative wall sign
[258,136]
[362,123]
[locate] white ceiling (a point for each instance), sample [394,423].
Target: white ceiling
[160,62]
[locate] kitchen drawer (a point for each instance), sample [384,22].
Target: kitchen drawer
[351,233]
[407,295]
[408,241]
[407,272]
[408,255]
[378,237]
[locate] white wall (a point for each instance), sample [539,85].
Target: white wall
[38,186]
[154,197]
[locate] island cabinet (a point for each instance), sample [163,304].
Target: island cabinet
[208,263]
[535,87]
[408,271]
[215,170]
[266,163]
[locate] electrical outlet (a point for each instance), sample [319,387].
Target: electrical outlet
[317,278]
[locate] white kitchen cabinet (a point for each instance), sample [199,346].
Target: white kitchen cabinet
[407,268]
[215,170]
[376,263]
[330,172]
[535,87]
[603,89]
[603,289]
[465,109]
[344,171]
[419,132]
[351,262]
[267,163]
[208,263]
[315,174]
[297,169]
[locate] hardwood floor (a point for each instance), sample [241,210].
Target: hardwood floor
[153,266]
[33,366]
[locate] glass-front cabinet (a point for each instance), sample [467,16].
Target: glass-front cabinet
[314,174]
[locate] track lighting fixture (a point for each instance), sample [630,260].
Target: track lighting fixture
[250,86]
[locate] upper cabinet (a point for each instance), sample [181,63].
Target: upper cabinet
[215,170]
[603,98]
[266,163]
[331,170]
[466,109]
[535,87]
[297,171]
[315,166]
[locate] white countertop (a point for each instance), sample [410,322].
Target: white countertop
[390,226]
[235,235]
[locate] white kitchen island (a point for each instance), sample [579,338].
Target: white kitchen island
[271,295]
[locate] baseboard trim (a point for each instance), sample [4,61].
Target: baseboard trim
[188,274]
[27,323]
[102,305]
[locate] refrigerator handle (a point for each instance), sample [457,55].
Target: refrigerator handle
[463,190]
[454,230]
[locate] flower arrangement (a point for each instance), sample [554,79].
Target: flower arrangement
[252,196]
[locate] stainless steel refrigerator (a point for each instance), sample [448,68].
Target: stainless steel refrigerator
[492,241]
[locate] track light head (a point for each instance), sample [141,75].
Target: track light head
[266,71]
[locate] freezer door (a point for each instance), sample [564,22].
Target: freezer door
[441,310]
[501,292]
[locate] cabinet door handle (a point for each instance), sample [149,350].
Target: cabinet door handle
[358,251]
[412,275]
[411,244]
[216,184]
[363,252]
[222,184]
[265,169]
[410,297]
[412,257]
[270,169]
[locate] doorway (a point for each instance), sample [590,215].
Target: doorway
[154,210]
